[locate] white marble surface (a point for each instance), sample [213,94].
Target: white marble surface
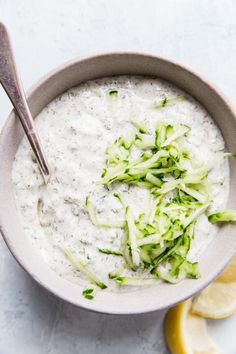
[45,33]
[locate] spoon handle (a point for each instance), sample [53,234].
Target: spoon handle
[13,87]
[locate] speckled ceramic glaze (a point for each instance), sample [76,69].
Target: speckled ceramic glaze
[71,74]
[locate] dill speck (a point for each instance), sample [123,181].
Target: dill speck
[164,102]
[113,93]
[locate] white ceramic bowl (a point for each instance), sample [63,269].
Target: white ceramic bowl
[71,74]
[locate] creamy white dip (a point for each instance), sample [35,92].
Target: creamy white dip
[75,130]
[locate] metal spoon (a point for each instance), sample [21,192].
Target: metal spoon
[13,87]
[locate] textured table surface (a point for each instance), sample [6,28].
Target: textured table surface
[45,33]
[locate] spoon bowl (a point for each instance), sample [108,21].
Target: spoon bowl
[156,297]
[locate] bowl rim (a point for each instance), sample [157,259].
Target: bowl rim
[49,75]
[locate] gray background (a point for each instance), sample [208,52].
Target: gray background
[45,33]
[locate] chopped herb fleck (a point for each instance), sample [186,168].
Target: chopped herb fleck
[113,93]
[88,293]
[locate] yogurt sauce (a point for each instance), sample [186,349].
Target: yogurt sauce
[75,129]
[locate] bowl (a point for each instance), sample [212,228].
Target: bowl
[156,297]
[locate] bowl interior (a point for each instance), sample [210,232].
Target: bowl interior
[143,300]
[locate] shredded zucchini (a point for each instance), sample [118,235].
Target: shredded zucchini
[107,251]
[134,281]
[159,239]
[224,215]
[168,101]
[229,154]
[77,264]
[88,293]
[117,272]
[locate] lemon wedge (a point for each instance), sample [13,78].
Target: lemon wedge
[218,300]
[229,273]
[186,333]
